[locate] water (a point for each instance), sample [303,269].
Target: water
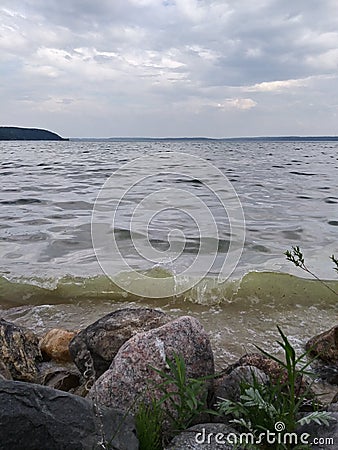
[49,271]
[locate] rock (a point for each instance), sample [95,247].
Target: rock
[206,436]
[125,384]
[323,437]
[59,377]
[5,373]
[98,343]
[270,367]
[34,417]
[326,372]
[325,346]
[55,345]
[229,386]
[19,352]
[335,398]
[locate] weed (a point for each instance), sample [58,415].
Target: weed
[297,258]
[186,397]
[262,406]
[149,420]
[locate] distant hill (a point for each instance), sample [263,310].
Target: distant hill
[196,139]
[28,134]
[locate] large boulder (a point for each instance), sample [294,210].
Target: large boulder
[34,417]
[19,352]
[95,346]
[325,346]
[131,377]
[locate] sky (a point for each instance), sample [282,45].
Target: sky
[166,68]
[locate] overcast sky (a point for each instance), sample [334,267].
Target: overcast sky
[100,68]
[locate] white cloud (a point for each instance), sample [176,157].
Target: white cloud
[277,86]
[237,103]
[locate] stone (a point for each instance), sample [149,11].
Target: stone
[335,399]
[270,367]
[5,373]
[19,352]
[59,377]
[96,346]
[34,417]
[325,346]
[55,345]
[131,377]
[276,373]
[327,373]
[228,386]
[206,436]
[323,437]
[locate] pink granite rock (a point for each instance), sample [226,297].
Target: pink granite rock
[131,379]
[325,346]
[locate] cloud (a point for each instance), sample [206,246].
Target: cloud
[277,86]
[147,62]
[237,103]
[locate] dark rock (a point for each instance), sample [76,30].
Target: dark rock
[5,373]
[131,379]
[55,345]
[325,372]
[97,344]
[59,377]
[325,346]
[34,417]
[335,398]
[28,134]
[229,386]
[19,351]
[323,437]
[206,436]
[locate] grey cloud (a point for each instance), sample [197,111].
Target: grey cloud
[143,61]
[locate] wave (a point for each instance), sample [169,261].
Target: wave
[268,289]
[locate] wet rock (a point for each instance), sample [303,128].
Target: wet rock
[206,436]
[325,346]
[19,352]
[34,417]
[97,344]
[228,386]
[55,345]
[131,378]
